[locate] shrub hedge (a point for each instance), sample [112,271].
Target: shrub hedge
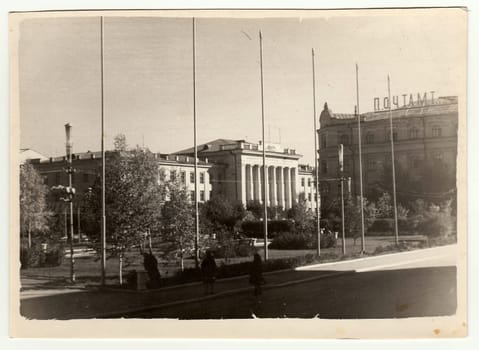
[254,229]
[36,257]
[386,226]
[233,250]
[290,240]
[241,269]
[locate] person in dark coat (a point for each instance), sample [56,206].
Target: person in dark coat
[208,272]
[256,274]
[151,267]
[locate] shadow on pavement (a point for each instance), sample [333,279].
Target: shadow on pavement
[291,294]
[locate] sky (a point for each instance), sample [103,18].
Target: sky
[148,93]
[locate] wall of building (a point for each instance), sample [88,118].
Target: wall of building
[420,134]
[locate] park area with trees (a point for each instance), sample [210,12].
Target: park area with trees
[147,212]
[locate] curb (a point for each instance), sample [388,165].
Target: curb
[189,284]
[122,313]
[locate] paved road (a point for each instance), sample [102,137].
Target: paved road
[413,284]
[419,283]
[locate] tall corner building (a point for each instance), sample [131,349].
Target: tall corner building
[423,129]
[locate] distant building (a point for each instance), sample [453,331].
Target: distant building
[423,130]
[88,166]
[229,168]
[238,172]
[27,153]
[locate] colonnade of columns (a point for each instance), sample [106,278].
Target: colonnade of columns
[280,185]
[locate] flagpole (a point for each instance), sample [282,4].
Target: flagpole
[363,243]
[316,166]
[103,210]
[265,207]
[396,233]
[197,221]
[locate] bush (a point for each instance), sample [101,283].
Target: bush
[254,229]
[243,250]
[233,250]
[54,257]
[402,246]
[288,240]
[328,241]
[31,257]
[435,226]
[382,226]
[36,257]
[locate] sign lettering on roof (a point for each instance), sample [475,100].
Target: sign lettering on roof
[404,100]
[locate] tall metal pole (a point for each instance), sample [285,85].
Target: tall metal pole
[316,162]
[265,205]
[65,226]
[341,179]
[396,232]
[70,186]
[78,224]
[363,243]
[197,221]
[103,161]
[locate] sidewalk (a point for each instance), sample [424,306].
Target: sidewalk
[95,302]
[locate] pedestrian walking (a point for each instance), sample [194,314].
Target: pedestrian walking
[208,272]
[256,274]
[150,264]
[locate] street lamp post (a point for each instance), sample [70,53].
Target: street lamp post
[70,186]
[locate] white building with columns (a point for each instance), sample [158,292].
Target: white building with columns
[238,174]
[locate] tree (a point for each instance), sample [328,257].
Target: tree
[132,198]
[385,208]
[352,216]
[303,217]
[34,214]
[256,208]
[352,213]
[120,143]
[417,183]
[221,211]
[178,232]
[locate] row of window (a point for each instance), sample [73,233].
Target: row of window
[173,176]
[202,195]
[56,178]
[376,164]
[370,138]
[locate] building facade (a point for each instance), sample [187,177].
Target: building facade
[423,130]
[228,168]
[238,172]
[87,167]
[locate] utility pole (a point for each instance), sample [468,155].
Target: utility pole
[265,173]
[363,244]
[78,224]
[197,219]
[316,163]
[70,186]
[341,179]
[396,231]
[103,177]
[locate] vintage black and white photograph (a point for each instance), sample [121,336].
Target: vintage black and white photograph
[240,165]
